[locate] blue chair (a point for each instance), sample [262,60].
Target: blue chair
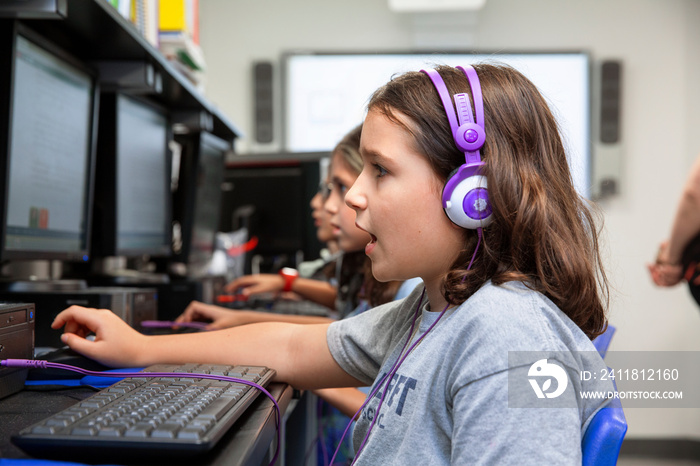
[601,342]
[602,440]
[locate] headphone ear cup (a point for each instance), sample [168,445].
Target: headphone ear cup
[466,201]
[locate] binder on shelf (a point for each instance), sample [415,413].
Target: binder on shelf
[172,15]
[151,20]
[180,16]
[179,38]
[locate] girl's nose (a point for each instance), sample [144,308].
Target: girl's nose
[355,198]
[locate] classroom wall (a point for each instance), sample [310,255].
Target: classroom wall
[659,44]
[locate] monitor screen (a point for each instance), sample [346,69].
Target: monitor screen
[326,95]
[50,154]
[271,200]
[132,193]
[143,178]
[198,200]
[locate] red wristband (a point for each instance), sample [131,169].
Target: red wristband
[289,276]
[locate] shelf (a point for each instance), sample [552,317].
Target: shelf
[93,31]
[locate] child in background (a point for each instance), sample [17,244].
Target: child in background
[357,288]
[316,269]
[522,278]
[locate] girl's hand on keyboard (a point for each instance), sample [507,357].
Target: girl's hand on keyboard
[114,344]
[220,317]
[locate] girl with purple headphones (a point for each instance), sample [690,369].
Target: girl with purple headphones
[482,363]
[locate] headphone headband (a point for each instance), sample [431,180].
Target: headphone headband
[468,133]
[465,197]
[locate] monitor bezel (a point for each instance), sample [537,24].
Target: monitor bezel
[6,110]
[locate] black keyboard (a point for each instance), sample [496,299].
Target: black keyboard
[144,417]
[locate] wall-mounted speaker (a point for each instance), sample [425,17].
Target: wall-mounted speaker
[610,101]
[263,102]
[607,162]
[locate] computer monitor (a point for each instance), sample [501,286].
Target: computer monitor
[271,199]
[132,195]
[48,119]
[197,200]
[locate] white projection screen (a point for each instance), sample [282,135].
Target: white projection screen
[326,94]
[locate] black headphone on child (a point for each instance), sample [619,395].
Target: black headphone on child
[465,197]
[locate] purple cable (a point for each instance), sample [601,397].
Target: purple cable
[393,372]
[324,450]
[478,242]
[397,364]
[41,364]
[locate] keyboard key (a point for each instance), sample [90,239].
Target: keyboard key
[217,408]
[139,430]
[166,430]
[84,430]
[112,431]
[191,432]
[43,430]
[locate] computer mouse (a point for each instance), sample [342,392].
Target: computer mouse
[65,355]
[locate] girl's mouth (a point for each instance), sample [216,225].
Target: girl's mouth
[372,243]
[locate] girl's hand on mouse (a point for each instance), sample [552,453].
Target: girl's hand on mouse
[115,343]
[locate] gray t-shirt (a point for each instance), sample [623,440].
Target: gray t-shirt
[448,403]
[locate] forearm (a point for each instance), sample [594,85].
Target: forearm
[253,317]
[298,353]
[346,400]
[686,224]
[316,290]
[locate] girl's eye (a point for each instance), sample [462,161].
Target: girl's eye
[338,187]
[381,171]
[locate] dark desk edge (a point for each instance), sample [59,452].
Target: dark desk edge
[255,433]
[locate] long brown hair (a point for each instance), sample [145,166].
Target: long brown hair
[543,232]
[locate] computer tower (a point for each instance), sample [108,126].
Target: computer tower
[141,303]
[173,296]
[49,304]
[16,342]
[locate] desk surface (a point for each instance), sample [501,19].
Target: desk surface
[247,442]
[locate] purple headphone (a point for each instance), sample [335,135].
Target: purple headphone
[465,198]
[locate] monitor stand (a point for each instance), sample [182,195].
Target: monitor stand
[116,270]
[126,276]
[37,276]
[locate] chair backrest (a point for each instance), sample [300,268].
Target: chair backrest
[603,438]
[601,342]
